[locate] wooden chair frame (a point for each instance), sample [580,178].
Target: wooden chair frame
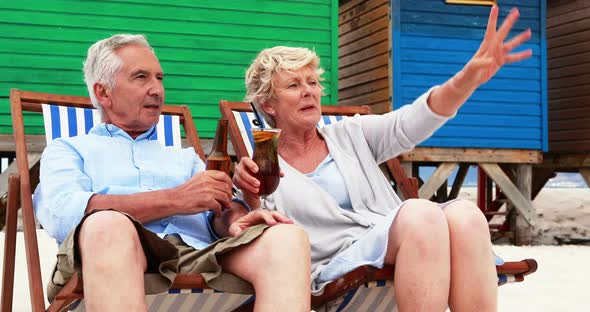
[408,187]
[20,190]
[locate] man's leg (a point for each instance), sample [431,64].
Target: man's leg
[113,263]
[278,265]
[474,283]
[418,246]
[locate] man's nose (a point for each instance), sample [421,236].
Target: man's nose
[156,88]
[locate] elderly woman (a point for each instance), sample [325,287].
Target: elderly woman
[333,187]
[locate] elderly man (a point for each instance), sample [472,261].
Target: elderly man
[129,214]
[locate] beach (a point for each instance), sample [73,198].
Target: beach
[560,283]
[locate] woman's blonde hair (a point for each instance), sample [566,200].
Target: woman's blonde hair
[260,75]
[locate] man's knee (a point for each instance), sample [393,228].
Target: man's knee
[282,242]
[285,235]
[104,229]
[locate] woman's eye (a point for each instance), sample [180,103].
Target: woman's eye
[313,83]
[293,85]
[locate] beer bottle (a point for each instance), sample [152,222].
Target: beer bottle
[218,158]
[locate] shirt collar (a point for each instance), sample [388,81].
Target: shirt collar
[111,130]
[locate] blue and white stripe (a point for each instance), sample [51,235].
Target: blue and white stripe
[245,123]
[62,121]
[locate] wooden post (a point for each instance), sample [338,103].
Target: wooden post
[442,192]
[523,233]
[459,179]
[522,203]
[585,172]
[440,175]
[482,188]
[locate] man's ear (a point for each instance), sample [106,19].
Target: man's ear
[102,94]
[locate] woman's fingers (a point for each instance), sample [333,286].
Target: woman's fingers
[243,177]
[246,184]
[492,23]
[518,40]
[518,56]
[507,24]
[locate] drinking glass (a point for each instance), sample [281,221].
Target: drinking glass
[266,157]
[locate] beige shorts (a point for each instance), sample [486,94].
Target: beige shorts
[166,257]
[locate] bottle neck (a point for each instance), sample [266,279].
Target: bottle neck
[220,141]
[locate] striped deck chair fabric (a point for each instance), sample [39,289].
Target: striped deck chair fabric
[188,300]
[245,122]
[61,121]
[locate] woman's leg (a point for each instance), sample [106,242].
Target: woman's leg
[474,284]
[418,246]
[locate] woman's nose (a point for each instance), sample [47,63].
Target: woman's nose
[307,89]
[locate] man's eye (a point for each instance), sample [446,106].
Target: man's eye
[313,83]
[161,78]
[140,77]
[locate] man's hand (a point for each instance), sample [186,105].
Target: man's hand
[257,216]
[208,190]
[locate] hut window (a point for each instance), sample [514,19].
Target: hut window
[472,2]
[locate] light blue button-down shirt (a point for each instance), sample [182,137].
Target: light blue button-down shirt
[109,161]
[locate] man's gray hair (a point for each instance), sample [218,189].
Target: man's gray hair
[269,62]
[102,63]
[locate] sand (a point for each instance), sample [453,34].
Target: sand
[560,284]
[561,212]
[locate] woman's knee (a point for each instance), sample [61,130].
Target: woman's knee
[420,214]
[421,226]
[465,216]
[420,221]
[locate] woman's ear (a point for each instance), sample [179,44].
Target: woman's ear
[267,108]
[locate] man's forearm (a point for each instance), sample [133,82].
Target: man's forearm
[144,207]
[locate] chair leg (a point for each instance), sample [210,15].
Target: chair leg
[72,291]
[10,243]
[60,304]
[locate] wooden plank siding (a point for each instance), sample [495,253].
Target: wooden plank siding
[363,53]
[433,40]
[568,65]
[204,46]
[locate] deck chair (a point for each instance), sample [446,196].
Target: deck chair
[70,116]
[365,288]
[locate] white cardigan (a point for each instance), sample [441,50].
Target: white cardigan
[358,145]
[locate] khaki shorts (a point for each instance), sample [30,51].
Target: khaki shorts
[166,257]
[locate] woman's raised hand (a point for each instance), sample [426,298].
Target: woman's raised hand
[494,51]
